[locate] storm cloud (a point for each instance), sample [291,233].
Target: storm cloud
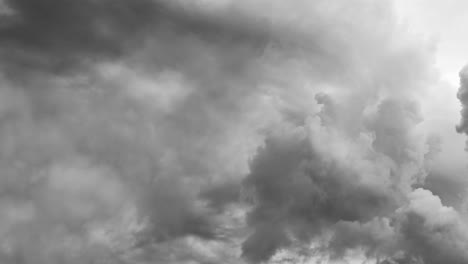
[153,131]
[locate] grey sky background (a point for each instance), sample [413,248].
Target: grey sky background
[443,21]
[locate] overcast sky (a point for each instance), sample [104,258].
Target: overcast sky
[233,131]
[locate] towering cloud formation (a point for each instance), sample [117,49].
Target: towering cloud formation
[154,131]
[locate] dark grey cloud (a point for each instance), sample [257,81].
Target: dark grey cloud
[223,194]
[300,192]
[462,96]
[307,190]
[58,35]
[435,232]
[88,147]
[153,131]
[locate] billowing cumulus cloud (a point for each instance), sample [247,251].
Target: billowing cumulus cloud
[152,131]
[462,95]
